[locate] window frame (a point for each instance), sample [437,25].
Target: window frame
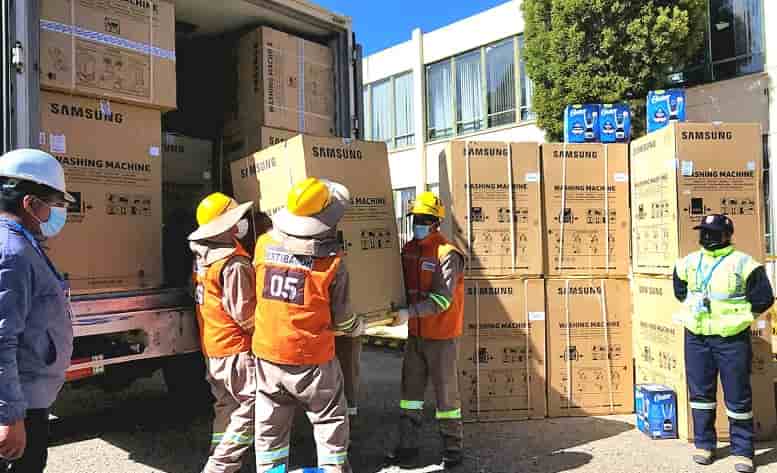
[393,140]
[485,116]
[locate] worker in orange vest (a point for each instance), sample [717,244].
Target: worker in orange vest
[302,291]
[434,281]
[226,301]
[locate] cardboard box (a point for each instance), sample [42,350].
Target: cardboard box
[113,167]
[502,351]
[678,177]
[368,231]
[242,139]
[586,209]
[187,169]
[615,123]
[285,82]
[475,184]
[656,411]
[590,368]
[664,106]
[122,51]
[581,123]
[659,349]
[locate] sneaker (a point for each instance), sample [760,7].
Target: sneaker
[744,465]
[403,457]
[703,457]
[452,459]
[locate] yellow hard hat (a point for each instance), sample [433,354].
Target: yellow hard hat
[428,204]
[308,197]
[212,206]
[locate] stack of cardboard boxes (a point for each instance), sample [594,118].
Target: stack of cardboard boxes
[680,174]
[547,310]
[493,192]
[586,204]
[108,72]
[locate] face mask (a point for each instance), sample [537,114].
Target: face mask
[55,223]
[421,231]
[712,240]
[242,229]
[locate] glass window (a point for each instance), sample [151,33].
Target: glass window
[403,199]
[438,91]
[366,104]
[469,93]
[527,86]
[500,72]
[403,110]
[736,37]
[381,111]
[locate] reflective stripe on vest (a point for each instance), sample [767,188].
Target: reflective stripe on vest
[420,262]
[293,324]
[220,335]
[724,285]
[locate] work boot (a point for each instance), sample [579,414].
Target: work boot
[703,457]
[404,457]
[451,459]
[744,465]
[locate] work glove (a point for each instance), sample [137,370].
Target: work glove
[400,318]
[358,330]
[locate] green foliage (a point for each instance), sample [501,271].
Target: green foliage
[605,51]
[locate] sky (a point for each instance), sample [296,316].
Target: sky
[380,24]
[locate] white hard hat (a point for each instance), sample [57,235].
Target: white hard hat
[35,166]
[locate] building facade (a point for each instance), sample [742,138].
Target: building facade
[468,81]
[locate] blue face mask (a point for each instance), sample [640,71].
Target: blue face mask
[55,223]
[421,231]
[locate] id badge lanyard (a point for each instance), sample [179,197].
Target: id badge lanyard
[705,282]
[64,284]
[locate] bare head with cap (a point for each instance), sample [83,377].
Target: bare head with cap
[33,192]
[715,232]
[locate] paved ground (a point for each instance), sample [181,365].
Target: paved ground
[140,431]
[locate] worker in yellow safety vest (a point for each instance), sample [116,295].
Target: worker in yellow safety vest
[434,281]
[226,300]
[721,289]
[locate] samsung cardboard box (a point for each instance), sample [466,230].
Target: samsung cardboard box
[655,406]
[502,351]
[590,368]
[581,123]
[689,170]
[665,106]
[659,352]
[492,191]
[285,82]
[111,154]
[586,209]
[368,232]
[615,123]
[123,51]
[242,139]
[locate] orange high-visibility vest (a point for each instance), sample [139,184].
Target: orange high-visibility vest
[420,261]
[293,324]
[220,334]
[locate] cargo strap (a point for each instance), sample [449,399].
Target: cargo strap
[561,213]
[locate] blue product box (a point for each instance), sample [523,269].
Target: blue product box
[664,106]
[656,408]
[615,123]
[581,123]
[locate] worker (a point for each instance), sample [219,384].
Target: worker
[226,300]
[721,288]
[302,289]
[434,281]
[36,332]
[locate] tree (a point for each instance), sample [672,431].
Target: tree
[606,51]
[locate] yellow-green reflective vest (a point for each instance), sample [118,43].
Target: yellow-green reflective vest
[716,303]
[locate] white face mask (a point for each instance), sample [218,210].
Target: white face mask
[242,229]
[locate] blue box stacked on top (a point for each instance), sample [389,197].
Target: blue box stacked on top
[656,409]
[594,123]
[664,106]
